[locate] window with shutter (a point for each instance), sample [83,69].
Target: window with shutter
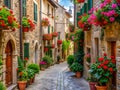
[90,4]
[52,29]
[24,7]
[48,29]
[85,7]
[26,50]
[7,3]
[35,12]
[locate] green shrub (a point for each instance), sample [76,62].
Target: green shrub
[76,67]
[70,60]
[48,60]
[2,86]
[31,73]
[34,67]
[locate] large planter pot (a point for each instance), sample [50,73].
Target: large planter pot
[101,87]
[78,74]
[92,85]
[33,79]
[22,85]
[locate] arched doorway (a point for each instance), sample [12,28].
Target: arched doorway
[8,75]
[36,53]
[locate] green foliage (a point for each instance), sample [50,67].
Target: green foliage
[31,73]
[85,18]
[1,62]
[70,60]
[48,60]
[2,86]
[25,22]
[79,35]
[34,67]
[23,75]
[76,67]
[65,45]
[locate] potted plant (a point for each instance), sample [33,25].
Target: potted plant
[48,60]
[92,80]
[43,65]
[58,59]
[2,86]
[88,58]
[104,71]
[22,78]
[27,24]
[70,60]
[77,68]
[7,19]
[45,22]
[35,68]
[31,74]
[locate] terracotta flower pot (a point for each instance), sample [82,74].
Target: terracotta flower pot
[22,85]
[33,79]
[25,29]
[101,87]
[47,37]
[92,85]
[78,74]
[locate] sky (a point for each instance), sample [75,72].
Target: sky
[67,4]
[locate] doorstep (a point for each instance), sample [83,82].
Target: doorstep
[12,87]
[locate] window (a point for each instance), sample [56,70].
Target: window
[58,35]
[48,29]
[48,11]
[7,3]
[24,7]
[35,12]
[52,12]
[26,50]
[52,29]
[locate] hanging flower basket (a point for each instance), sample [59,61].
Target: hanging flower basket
[45,22]
[27,25]
[7,19]
[47,37]
[59,42]
[55,34]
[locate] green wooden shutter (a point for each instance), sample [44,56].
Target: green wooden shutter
[90,4]
[26,50]
[52,29]
[24,7]
[48,29]
[85,7]
[35,12]
[7,3]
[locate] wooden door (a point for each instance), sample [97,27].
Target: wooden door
[113,53]
[8,52]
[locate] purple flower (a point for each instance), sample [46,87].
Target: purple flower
[112,19]
[43,63]
[114,6]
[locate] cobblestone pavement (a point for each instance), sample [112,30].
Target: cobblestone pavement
[58,77]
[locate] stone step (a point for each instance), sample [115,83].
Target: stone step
[12,87]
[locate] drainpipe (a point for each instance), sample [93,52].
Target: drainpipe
[41,32]
[21,39]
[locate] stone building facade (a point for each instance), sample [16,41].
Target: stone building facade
[98,42]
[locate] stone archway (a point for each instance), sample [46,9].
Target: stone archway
[9,62]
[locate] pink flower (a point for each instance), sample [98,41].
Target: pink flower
[114,6]
[112,19]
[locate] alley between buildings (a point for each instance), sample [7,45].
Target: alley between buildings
[58,77]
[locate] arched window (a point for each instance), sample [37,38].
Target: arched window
[7,3]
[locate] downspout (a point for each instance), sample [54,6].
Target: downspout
[40,32]
[21,39]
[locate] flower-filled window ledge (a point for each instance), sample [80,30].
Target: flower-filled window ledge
[27,25]
[45,22]
[8,21]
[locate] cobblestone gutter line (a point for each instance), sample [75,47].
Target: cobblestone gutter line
[60,80]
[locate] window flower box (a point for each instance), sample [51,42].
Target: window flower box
[7,19]
[55,34]
[27,25]
[47,37]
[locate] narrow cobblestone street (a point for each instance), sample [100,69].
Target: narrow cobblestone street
[58,77]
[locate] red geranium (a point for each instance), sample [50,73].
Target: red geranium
[101,59]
